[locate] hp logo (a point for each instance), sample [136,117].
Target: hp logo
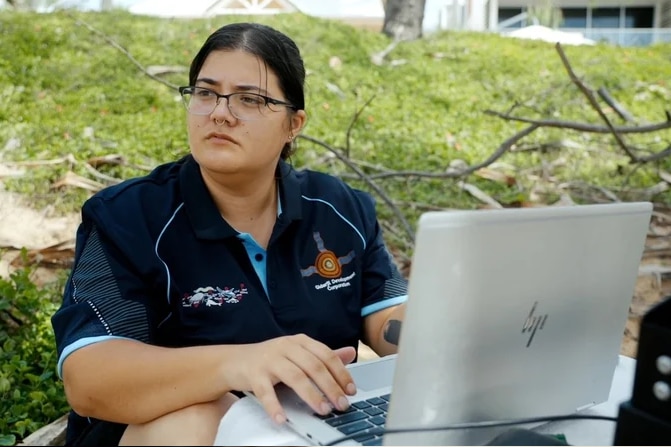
[533,323]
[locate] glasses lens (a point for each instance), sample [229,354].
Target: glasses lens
[247,106]
[244,106]
[199,101]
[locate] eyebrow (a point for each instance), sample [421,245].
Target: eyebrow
[238,88]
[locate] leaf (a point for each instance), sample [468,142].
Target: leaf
[7,440]
[479,194]
[158,70]
[61,254]
[665,176]
[8,171]
[497,176]
[109,159]
[72,179]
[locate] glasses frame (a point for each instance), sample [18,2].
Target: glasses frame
[189,90]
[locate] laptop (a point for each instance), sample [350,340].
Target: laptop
[512,313]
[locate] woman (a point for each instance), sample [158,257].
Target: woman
[225,271]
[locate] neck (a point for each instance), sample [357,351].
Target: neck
[243,203]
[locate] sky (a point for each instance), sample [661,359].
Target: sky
[313,7]
[321,8]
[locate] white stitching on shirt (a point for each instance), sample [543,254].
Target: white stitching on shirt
[158,241]
[74,290]
[310,199]
[100,317]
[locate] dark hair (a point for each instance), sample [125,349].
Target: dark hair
[274,48]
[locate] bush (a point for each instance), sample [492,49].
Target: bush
[31,394]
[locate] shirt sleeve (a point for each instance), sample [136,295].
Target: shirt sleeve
[383,284]
[105,297]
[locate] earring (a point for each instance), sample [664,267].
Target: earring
[291,137]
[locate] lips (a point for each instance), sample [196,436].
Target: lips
[217,136]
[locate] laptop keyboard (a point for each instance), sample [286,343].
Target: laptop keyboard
[360,418]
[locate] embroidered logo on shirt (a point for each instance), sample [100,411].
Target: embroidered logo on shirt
[214,296]
[328,265]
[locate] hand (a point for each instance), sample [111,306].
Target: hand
[314,371]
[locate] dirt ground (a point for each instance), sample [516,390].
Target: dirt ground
[23,226]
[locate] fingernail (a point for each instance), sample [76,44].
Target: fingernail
[351,388]
[280,419]
[343,403]
[325,408]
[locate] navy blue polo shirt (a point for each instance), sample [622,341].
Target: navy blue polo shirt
[156,262]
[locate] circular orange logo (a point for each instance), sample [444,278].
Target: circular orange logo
[327,264]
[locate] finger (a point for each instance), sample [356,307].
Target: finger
[294,377]
[265,393]
[346,354]
[320,373]
[334,362]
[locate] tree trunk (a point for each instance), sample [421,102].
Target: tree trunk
[16,4]
[105,5]
[403,19]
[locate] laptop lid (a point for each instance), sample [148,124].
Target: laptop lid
[513,313]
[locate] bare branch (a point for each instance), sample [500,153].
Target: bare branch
[656,156]
[378,58]
[510,142]
[479,194]
[116,45]
[351,124]
[619,108]
[594,103]
[582,127]
[366,179]
[99,175]
[610,195]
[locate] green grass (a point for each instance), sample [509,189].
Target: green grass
[57,78]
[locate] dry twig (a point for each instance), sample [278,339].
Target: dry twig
[366,179]
[126,53]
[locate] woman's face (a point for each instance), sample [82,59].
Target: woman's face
[224,144]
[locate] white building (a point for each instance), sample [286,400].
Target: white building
[624,22]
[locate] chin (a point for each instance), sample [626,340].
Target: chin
[217,161]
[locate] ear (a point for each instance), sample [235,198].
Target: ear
[297,122]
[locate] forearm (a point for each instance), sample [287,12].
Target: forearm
[132,382]
[386,340]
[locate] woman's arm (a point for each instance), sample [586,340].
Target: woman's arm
[132,382]
[382,329]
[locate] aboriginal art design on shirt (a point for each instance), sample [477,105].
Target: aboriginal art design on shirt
[327,264]
[214,296]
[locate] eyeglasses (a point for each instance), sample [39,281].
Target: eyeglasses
[242,105]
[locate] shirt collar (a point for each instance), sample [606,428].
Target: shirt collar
[204,215]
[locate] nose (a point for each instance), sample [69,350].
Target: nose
[222,111]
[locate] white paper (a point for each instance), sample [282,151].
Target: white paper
[247,424]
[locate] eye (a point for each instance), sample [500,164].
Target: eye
[251,99]
[203,93]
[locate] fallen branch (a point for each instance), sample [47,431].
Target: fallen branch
[457,173]
[99,175]
[609,128]
[479,194]
[410,232]
[619,108]
[378,58]
[594,103]
[126,53]
[611,196]
[351,125]
[582,127]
